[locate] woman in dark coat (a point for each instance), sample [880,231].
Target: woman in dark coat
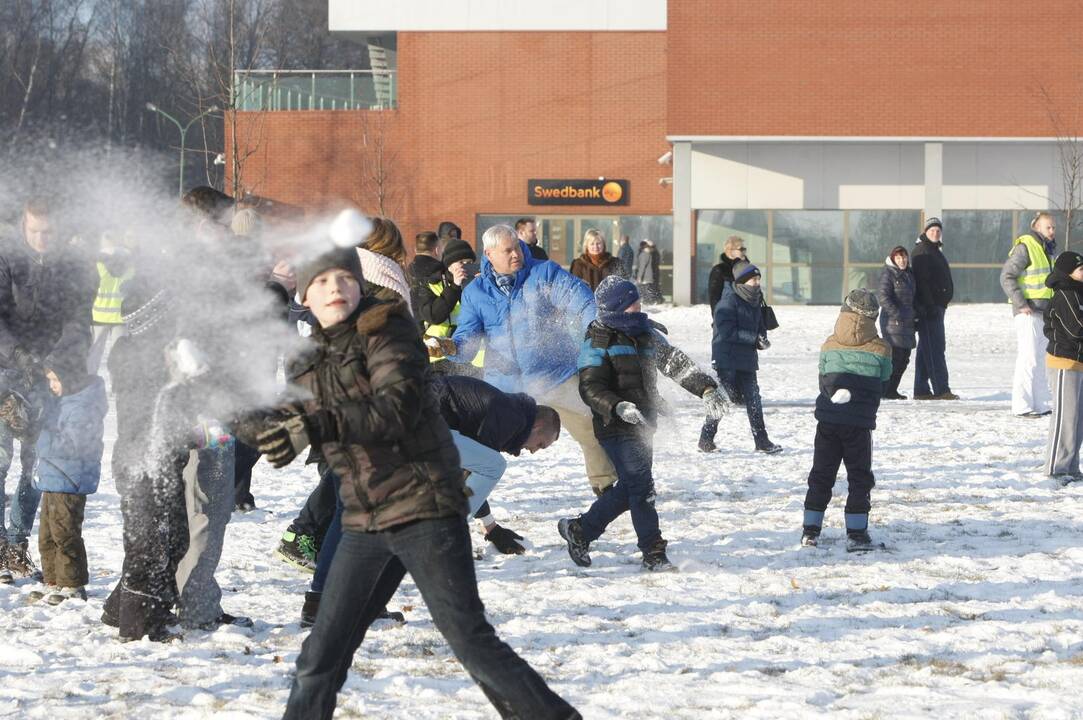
[739,335]
[897,316]
[595,263]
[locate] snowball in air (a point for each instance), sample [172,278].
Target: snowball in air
[349,228]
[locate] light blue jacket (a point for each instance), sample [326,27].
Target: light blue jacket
[532,337]
[70,444]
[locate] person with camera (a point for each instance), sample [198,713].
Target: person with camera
[436,301]
[46,295]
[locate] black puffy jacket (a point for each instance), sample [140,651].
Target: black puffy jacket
[615,367]
[721,274]
[1064,318]
[498,420]
[896,296]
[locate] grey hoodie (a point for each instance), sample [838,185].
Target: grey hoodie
[1017,262]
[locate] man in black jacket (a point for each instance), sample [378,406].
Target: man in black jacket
[933,292]
[372,416]
[488,422]
[527,230]
[46,295]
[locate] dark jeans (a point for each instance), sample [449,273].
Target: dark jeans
[740,384]
[837,444]
[319,510]
[931,366]
[246,459]
[367,569]
[900,360]
[330,542]
[633,458]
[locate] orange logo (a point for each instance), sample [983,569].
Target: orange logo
[612,192]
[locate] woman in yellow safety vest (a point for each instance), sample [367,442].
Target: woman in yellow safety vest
[115,271]
[437,302]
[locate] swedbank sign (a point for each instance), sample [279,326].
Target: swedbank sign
[577,192]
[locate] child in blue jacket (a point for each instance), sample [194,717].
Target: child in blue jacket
[69,466]
[854,365]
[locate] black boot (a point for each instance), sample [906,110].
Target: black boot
[578,548]
[810,536]
[707,435]
[310,608]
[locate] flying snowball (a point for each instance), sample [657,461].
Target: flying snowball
[349,228]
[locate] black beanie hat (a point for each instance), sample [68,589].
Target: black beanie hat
[743,271]
[343,258]
[1068,261]
[933,222]
[457,250]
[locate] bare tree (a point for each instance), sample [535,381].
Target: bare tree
[1069,162]
[381,190]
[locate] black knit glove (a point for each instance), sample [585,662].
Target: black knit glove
[505,540]
[288,438]
[26,360]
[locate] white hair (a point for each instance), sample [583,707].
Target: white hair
[492,237]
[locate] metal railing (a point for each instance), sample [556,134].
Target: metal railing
[260,90]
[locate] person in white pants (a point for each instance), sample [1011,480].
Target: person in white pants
[1023,280]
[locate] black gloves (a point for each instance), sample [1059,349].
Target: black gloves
[504,539]
[26,361]
[286,439]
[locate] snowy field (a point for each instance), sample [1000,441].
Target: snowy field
[976,610]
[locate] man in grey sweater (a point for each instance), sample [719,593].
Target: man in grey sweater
[1023,280]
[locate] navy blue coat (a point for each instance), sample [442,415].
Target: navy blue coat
[737,327]
[498,420]
[897,306]
[70,444]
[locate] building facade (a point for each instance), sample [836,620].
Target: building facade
[822,133]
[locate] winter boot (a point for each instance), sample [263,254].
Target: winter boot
[654,557]
[18,562]
[707,435]
[767,447]
[297,550]
[310,608]
[505,540]
[41,592]
[857,533]
[894,395]
[61,594]
[578,548]
[6,578]
[810,536]
[227,619]
[386,614]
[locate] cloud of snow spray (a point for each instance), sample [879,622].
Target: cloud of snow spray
[216,282]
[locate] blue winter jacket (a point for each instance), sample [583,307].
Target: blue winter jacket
[532,337]
[70,444]
[737,327]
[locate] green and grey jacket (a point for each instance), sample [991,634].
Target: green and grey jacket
[854,358]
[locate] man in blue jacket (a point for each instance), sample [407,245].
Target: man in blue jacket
[531,315]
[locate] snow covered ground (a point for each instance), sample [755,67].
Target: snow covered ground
[977,610]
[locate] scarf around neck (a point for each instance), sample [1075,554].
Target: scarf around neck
[751,294]
[384,272]
[629,323]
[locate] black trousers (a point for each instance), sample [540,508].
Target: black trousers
[319,509]
[835,445]
[246,459]
[900,360]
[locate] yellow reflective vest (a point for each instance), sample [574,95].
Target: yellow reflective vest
[447,328]
[1032,280]
[110,296]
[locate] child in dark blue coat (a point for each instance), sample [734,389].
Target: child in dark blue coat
[617,380]
[69,466]
[739,335]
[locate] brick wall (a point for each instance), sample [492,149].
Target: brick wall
[872,67]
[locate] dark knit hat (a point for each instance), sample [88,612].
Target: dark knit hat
[863,302]
[457,250]
[615,294]
[1067,262]
[448,229]
[933,222]
[743,271]
[343,258]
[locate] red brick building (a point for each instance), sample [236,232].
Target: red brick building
[823,132]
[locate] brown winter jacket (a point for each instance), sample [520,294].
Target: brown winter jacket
[592,272]
[393,455]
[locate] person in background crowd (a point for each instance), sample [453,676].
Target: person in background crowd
[446,232]
[933,292]
[374,419]
[619,363]
[436,302]
[1064,356]
[739,335]
[897,316]
[527,230]
[733,250]
[529,314]
[595,263]
[46,294]
[646,273]
[1023,280]
[115,271]
[427,253]
[627,257]
[854,364]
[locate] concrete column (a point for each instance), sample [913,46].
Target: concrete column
[682,223]
[934,179]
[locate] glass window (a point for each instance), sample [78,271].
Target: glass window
[977,285]
[712,229]
[484,222]
[977,236]
[812,237]
[1065,240]
[873,233]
